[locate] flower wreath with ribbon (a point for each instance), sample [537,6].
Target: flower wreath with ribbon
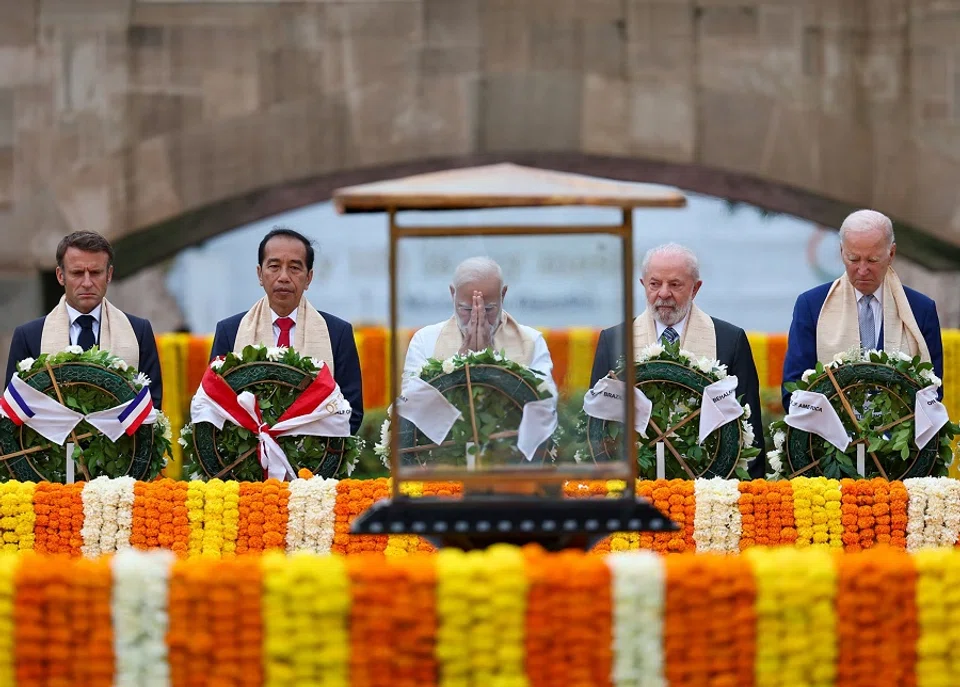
[886,401]
[268,413]
[687,402]
[91,400]
[477,404]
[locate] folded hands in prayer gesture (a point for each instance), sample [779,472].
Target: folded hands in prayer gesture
[478,334]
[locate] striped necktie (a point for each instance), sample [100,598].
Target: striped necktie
[669,335]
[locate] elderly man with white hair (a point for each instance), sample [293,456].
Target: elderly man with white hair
[866,307]
[670,275]
[479,322]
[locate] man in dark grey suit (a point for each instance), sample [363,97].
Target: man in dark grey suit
[670,275]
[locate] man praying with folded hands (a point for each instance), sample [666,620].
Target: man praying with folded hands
[479,322]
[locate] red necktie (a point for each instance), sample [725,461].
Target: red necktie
[285,324]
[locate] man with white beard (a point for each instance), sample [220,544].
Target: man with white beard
[670,275]
[479,322]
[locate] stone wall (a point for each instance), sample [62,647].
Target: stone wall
[121,115]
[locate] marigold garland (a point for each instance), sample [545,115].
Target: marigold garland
[373,626]
[59,518]
[262,515]
[796,617]
[675,499]
[873,643]
[8,567]
[353,498]
[935,606]
[92,619]
[17,516]
[817,512]
[220,518]
[196,495]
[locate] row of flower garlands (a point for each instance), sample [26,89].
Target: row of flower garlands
[219,519]
[504,616]
[886,402]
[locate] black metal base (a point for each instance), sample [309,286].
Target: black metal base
[476,522]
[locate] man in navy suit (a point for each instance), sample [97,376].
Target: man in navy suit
[867,306]
[85,318]
[284,317]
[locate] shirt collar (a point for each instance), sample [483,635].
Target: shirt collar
[878,294]
[274,316]
[678,327]
[73,313]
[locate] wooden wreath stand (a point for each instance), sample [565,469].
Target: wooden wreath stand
[497,505]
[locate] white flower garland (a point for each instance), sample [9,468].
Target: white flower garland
[92,497]
[107,515]
[296,512]
[638,583]
[717,524]
[933,512]
[140,618]
[311,515]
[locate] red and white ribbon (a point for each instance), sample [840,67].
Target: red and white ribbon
[320,411]
[24,405]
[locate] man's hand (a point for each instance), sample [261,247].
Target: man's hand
[484,330]
[477,336]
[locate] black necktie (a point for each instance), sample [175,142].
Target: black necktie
[86,340]
[669,335]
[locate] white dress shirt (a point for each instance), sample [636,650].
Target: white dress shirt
[678,327]
[276,328]
[425,340]
[876,305]
[75,328]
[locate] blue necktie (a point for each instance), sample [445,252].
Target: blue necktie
[669,335]
[868,327]
[86,340]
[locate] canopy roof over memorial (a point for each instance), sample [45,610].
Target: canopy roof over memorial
[501,185]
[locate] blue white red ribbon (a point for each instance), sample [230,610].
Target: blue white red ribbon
[24,405]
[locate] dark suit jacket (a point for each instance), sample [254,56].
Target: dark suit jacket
[346,360]
[802,342]
[733,350]
[26,344]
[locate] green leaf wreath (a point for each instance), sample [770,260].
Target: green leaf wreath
[499,387]
[674,379]
[276,376]
[89,381]
[880,388]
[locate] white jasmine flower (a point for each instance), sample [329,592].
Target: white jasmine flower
[779,437]
[807,375]
[905,357]
[182,442]
[840,357]
[448,366]
[747,434]
[120,364]
[746,411]
[142,379]
[25,364]
[275,353]
[705,365]
[216,364]
[75,350]
[719,370]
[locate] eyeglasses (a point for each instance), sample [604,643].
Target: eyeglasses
[467,309]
